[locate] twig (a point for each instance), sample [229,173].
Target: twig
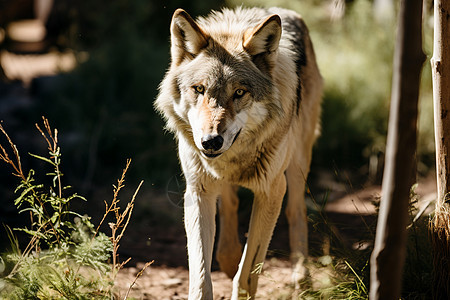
[113,206]
[137,277]
[4,156]
[127,212]
[120,218]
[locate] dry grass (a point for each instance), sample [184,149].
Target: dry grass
[440,237]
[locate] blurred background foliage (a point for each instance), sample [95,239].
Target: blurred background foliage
[104,108]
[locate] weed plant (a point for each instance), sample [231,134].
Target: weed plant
[66,256]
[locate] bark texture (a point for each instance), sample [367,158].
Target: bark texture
[440,225]
[399,174]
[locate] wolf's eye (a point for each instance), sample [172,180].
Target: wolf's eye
[239,93]
[199,89]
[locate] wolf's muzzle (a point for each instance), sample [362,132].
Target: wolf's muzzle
[212,142]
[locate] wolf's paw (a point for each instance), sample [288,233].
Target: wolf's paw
[299,274]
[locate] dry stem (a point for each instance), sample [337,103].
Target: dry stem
[122,219]
[113,207]
[147,264]
[53,148]
[440,237]
[17,166]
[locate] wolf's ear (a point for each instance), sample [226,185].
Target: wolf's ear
[264,38]
[186,36]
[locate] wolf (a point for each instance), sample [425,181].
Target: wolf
[243,98]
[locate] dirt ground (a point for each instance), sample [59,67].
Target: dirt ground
[172,283]
[348,215]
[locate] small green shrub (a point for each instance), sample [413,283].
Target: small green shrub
[66,256]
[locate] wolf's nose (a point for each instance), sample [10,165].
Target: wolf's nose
[212,142]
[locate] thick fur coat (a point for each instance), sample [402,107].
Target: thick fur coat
[242,96]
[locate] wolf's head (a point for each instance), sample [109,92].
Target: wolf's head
[220,78]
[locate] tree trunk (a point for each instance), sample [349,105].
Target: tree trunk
[399,174]
[440,225]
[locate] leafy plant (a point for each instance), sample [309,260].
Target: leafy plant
[66,256]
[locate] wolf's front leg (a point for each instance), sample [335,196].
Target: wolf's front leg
[266,208]
[229,249]
[199,219]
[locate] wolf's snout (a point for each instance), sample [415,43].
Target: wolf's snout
[212,142]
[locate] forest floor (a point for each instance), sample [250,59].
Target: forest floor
[350,217]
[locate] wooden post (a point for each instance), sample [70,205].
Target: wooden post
[440,225]
[388,255]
